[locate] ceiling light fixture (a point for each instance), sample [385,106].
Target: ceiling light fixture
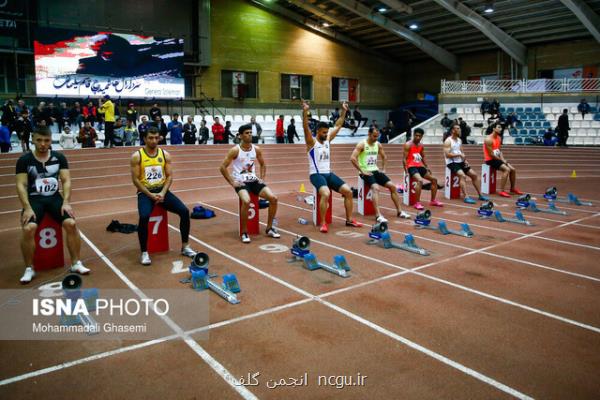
[489,8]
[413,26]
[382,9]
[325,24]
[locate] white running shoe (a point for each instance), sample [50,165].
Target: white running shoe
[404,214]
[188,252]
[273,233]
[245,238]
[145,259]
[79,268]
[28,275]
[381,219]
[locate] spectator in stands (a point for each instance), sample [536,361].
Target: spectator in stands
[67,139]
[374,124]
[256,130]
[20,107]
[189,131]
[387,132]
[227,134]
[334,116]
[41,115]
[550,138]
[176,129]
[131,114]
[154,111]
[4,139]
[218,131]
[465,130]
[583,108]
[129,133]
[162,129]
[107,109]
[291,132]
[143,130]
[63,116]
[563,128]
[512,119]
[55,116]
[9,114]
[90,113]
[118,133]
[23,128]
[446,122]
[76,116]
[312,124]
[495,107]
[279,130]
[485,107]
[203,134]
[358,118]
[87,135]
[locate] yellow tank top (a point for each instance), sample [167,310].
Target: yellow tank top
[152,169]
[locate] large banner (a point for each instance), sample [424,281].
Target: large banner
[120,65]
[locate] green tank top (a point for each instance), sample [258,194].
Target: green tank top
[367,160]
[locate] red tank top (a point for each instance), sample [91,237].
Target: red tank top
[495,146]
[415,157]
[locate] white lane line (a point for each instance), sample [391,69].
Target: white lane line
[212,362]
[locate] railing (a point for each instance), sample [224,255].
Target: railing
[522,86]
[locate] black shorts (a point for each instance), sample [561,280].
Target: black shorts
[252,187]
[330,180]
[47,204]
[376,178]
[417,170]
[458,166]
[496,164]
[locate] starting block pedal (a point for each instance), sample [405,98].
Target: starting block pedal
[71,290]
[383,239]
[202,281]
[519,218]
[552,195]
[552,209]
[574,200]
[423,221]
[300,252]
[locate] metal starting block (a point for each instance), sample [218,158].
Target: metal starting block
[531,205]
[201,280]
[423,221]
[519,218]
[380,236]
[552,195]
[71,288]
[300,252]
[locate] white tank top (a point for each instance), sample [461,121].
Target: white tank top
[455,147]
[243,165]
[318,158]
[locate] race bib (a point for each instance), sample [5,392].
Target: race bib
[248,177]
[417,157]
[46,186]
[371,161]
[497,152]
[154,174]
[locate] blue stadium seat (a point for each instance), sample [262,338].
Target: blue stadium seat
[453,110]
[593,109]
[547,124]
[532,132]
[597,117]
[523,117]
[537,110]
[502,110]
[513,132]
[519,124]
[510,110]
[528,124]
[523,132]
[537,124]
[518,140]
[541,132]
[520,110]
[529,140]
[528,110]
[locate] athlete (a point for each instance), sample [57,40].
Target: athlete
[244,180]
[319,165]
[151,173]
[38,176]
[416,166]
[456,161]
[495,159]
[364,159]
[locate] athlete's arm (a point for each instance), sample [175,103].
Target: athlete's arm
[24,198]
[308,139]
[65,178]
[261,161]
[354,157]
[339,123]
[231,155]
[135,176]
[168,175]
[383,157]
[448,148]
[423,158]
[405,159]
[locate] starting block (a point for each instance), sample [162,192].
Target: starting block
[253,222]
[158,230]
[409,197]
[71,288]
[488,179]
[201,280]
[317,212]
[300,252]
[552,195]
[451,185]
[519,218]
[423,221]
[525,203]
[380,236]
[365,197]
[49,252]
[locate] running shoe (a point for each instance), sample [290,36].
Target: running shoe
[469,200]
[483,198]
[516,191]
[354,223]
[145,259]
[436,203]
[79,268]
[503,194]
[324,228]
[381,219]
[419,206]
[272,232]
[403,214]
[187,251]
[28,275]
[245,238]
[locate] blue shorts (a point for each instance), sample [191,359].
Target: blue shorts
[330,180]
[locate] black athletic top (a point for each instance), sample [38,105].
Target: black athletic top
[42,179]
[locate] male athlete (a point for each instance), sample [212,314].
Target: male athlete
[319,165]
[38,173]
[456,161]
[151,173]
[244,180]
[495,159]
[364,159]
[416,167]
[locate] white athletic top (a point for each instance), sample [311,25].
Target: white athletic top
[318,158]
[455,147]
[243,165]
